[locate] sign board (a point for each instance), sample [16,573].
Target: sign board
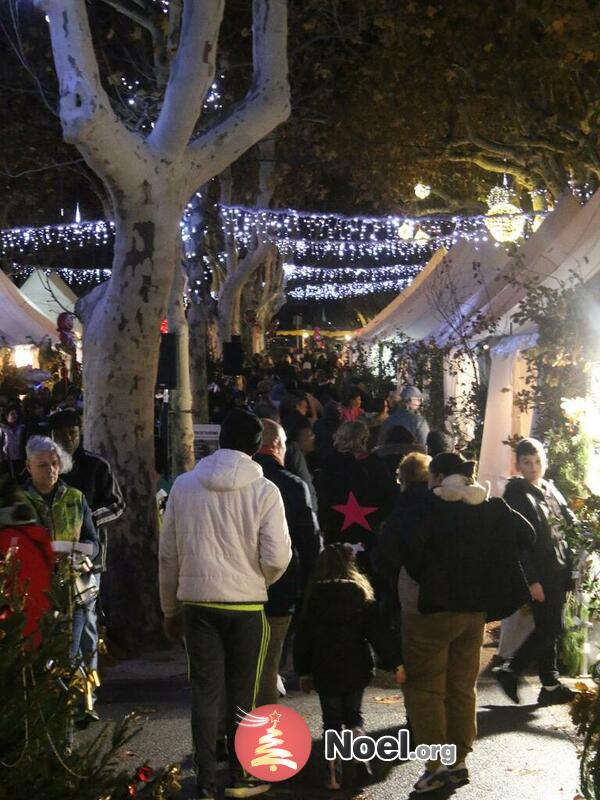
[206,440]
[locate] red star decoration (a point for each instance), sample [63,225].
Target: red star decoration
[355,514]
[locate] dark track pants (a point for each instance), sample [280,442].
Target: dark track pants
[226,651]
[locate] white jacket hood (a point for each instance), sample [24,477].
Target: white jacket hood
[227,471]
[456,488]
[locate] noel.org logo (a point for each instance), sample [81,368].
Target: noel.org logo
[272,742]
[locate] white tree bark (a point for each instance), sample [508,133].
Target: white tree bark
[181,432]
[149,181]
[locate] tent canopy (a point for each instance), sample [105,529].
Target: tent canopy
[20,322]
[50,295]
[477,278]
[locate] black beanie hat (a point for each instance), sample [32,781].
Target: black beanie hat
[67,418]
[242,431]
[452,464]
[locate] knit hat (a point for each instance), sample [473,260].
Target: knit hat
[241,430]
[410,392]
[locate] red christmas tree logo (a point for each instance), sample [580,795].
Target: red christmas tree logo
[273,742]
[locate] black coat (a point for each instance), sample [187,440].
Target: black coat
[333,635]
[550,562]
[466,557]
[93,476]
[387,556]
[295,462]
[371,485]
[304,533]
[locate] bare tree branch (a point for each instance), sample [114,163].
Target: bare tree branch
[266,105]
[135,16]
[87,117]
[45,168]
[192,73]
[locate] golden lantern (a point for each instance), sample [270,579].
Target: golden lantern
[504,220]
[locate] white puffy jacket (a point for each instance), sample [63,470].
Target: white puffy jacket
[224,537]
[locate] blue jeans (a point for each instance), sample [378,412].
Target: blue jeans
[85,633]
[89,635]
[84,642]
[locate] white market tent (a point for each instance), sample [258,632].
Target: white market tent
[50,295]
[20,322]
[567,241]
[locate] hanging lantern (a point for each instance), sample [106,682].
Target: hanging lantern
[422,191]
[421,237]
[501,221]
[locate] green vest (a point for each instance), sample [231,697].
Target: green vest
[65,517]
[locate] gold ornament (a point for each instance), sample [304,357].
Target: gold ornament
[168,784]
[85,681]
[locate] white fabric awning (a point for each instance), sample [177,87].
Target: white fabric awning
[20,322]
[476,278]
[50,295]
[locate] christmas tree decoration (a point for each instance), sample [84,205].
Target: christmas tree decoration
[42,756]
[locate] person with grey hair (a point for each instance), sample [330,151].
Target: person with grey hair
[406,413]
[356,492]
[61,509]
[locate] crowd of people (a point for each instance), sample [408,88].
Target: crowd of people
[335,524]
[67,494]
[331,527]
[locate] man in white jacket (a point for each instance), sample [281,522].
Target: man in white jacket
[224,541]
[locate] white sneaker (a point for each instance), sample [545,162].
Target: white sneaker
[281,686]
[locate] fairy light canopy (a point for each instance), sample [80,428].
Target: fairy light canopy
[326,256]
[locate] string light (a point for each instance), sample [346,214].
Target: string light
[305,235]
[295,273]
[21,240]
[84,276]
[339,291]
[358,255]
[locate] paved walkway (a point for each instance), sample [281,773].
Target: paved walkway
[523,752]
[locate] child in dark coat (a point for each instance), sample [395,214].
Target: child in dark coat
[331,648]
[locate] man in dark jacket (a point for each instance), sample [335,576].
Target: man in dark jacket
[462,550]
[94,478]
[548,568]
[306,543]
